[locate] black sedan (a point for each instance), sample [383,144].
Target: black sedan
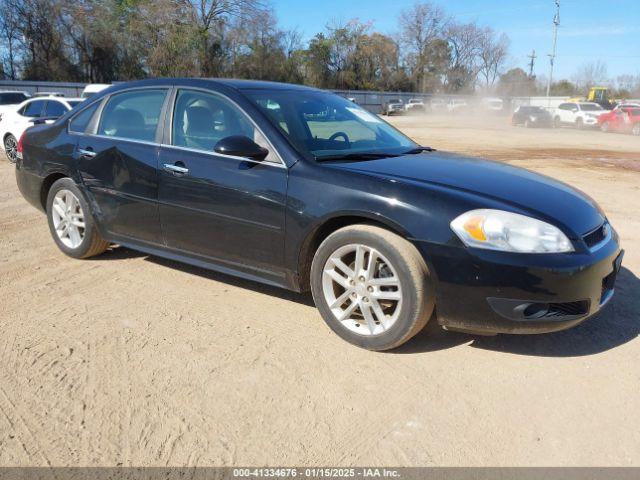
[302,189]
[532,117]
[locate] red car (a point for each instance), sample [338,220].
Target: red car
[621,120]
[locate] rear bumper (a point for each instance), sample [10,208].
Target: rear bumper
[495,292]
[30,186]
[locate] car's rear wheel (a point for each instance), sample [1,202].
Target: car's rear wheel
[11,148]
[71,223]
[636,130]
[556,122]
[372,287]
[605,127]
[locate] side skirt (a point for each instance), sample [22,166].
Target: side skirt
[279,279]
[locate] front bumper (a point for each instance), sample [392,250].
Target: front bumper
[490,292]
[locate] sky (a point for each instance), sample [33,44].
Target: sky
[606,30]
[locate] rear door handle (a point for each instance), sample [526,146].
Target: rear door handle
[176,169]
[86,153]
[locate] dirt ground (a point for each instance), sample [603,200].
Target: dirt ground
[133,360]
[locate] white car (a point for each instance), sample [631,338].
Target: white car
[15,122]
[578,114]
[48,94]
[415,105]
[456,104]
[9,100]
[438,104]
[93,88]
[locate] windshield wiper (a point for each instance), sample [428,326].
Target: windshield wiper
[417,150]
[357,156]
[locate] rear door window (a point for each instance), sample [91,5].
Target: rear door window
[132,115]
[54,109]
[33,109]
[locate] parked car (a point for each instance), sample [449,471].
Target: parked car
[532,116]
[48,94]
[438,105]
[384,232]
[456,104]
[493,105]
[14,123]
[415,105]
[577,114]
[393,107]
[9,100]
[93,88]
[625,119]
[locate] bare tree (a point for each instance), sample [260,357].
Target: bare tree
[210,17]
[591,74]
[9,38]
[465,41]
[493,52]
[420,26]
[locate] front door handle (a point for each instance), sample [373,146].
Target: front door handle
[86,153]
[176,169]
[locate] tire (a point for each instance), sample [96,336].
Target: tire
[579,124]
[636,130]
[11,148]
[556,122]
[398,295]
[77,209]
[605,127]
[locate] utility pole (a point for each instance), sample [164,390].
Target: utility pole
[552,56]
[532,63]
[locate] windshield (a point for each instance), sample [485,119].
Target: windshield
[590,107]
[325,125]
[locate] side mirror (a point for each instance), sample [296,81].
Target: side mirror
[241,146]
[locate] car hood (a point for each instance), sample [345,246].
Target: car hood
[526,191]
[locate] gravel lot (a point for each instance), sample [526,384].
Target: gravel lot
[133,360]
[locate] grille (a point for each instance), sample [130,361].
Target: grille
[596,236]
[567,309]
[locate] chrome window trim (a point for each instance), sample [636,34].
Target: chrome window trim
[175,147]
[235,104]
[222,155]
[122,139]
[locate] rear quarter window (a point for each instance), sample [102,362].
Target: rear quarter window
[80,122]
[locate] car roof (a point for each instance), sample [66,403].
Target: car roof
[241,85]
[14,91]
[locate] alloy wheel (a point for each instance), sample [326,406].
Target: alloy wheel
[362,289]
[11,148]
[68,218]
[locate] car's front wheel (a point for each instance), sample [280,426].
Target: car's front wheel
[11,148]
[636,130]
[71,223]
[372,287]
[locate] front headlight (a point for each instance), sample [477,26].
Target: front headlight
[509,232]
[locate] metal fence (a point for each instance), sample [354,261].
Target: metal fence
[371,100]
